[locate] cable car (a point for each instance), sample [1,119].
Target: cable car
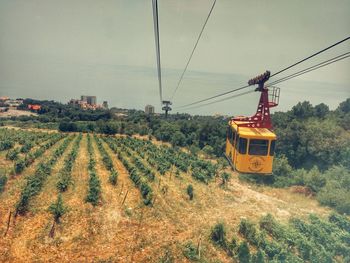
[250,141]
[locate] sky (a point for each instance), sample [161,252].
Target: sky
[59,50]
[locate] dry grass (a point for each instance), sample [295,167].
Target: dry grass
[134,233]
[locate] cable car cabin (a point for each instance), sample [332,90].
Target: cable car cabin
[250,150]
[250,143]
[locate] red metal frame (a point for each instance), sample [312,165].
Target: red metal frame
[262,118]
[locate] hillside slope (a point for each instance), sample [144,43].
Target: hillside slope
[121,228]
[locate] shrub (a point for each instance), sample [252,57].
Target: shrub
[19,166]
[218,234]
[3,181]
[225,178]
[190,191]
[190,251]
[113,178]
[12,154]
[259,257]
[243,252]
[57,209]
[94,189]
[248,230]
[64,181]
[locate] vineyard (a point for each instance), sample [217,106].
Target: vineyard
[313,240]
[93,198]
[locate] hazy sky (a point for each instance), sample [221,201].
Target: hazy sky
[62,49]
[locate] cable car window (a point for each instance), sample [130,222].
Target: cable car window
[272,147]
[233,137]
[242,145]
[258,147]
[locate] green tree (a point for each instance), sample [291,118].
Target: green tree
[303,110]
[178,139]
[321,110]
[208,150]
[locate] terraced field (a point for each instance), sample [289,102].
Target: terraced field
[89,198]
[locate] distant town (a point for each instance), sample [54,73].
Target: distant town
[10,107]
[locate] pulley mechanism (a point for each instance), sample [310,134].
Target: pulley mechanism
[262,118]
[166,107]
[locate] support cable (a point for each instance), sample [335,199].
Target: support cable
[156,35]
[311,56]
[312,68]
[227,92]
[301,72]
[194,48]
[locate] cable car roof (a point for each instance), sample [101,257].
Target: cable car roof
[253,132]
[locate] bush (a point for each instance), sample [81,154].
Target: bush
[57,209]
[113,178]
[65,126]
[218,234]
[19,166]
[248,230]
[243,252]
[94,189]
[3,181]
[64,181]
[259,257]
[225,178]
[190,251]
[190,191]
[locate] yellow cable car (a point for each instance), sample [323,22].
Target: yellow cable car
[250,142]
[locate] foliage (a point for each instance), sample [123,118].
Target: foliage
[67,126]
[64,178]
[58,209]
[190,191]
[30,157]
[243,252]
[19,166]
[218,235]
[190,251]
[6,144]
[3,181]
[336,190]
[332,187]
[35,181]
[225,178]
[107,161]
[138,172]
[315,240]
[94,191]
[12,154]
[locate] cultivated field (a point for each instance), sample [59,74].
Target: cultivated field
[126,200]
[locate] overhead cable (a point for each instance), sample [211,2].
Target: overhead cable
[213,97]
[311,56]
[234,90]
[194,48]
[312,68]
[220,100]
[296,74]
[156,35]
